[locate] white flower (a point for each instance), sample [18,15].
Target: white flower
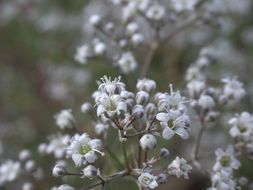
[196,87]
[99,48]
[146,85]
[65,187]
[110,86]
[173,122]
[95,19]
[82,54]
[137,39]
[9,171]
[86,107]
[110,105]
[155,12]
[148,142]
[206,102]
[90,171]
[222,181]
[24,155]
[174,101]
[129,10]
[83,149]
[132,28]
[183,5]
[147,180]
[27,186]
[179,167]
[225,160]
[127,62]
[65,119]
[57,145]
[242,126]
[101,128]
[233,88]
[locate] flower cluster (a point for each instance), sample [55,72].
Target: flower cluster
[223,178]
[242,131]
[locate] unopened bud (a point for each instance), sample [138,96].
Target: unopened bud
[90,171]
[138,111]
[164,153]
[142,97]
[59,170]
[148,142]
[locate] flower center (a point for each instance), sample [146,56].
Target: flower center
[225,161]
[242,128]
[170,123]
[85,149]
[146,180]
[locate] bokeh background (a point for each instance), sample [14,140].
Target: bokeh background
[39,77]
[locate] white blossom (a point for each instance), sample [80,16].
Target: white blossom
[83,149]
[233,88]
[127,62]
[147,180]
[9,171]
[173,122]
[242,126]
[179,167]
[82,54]
[65,119]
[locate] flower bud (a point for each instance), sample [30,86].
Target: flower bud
[132,28]
[146,85]
[95,20]
[99,48]
[30,166]
[24,155]
[90,171]
[42,148]
[148,142]
[59,170]
[206,102]
[223,100]
[142,97]
[150,108]
[164,153]
[27,186]
[137,39]
[65,119]
[86,107]
[65,187]
[138,111]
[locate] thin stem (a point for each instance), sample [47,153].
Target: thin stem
[148,59]
[107,179]
[125,156]
[197,145]
[146,156]
[139,154]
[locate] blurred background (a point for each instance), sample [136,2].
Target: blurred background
[39,77]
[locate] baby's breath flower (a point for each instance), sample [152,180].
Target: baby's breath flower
[147,180]
[148,142]
[65,119]
[179,167]
[83,149]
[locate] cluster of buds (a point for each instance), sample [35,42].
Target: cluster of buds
[139,24]
[207,100]
[143,114]
[25,166]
